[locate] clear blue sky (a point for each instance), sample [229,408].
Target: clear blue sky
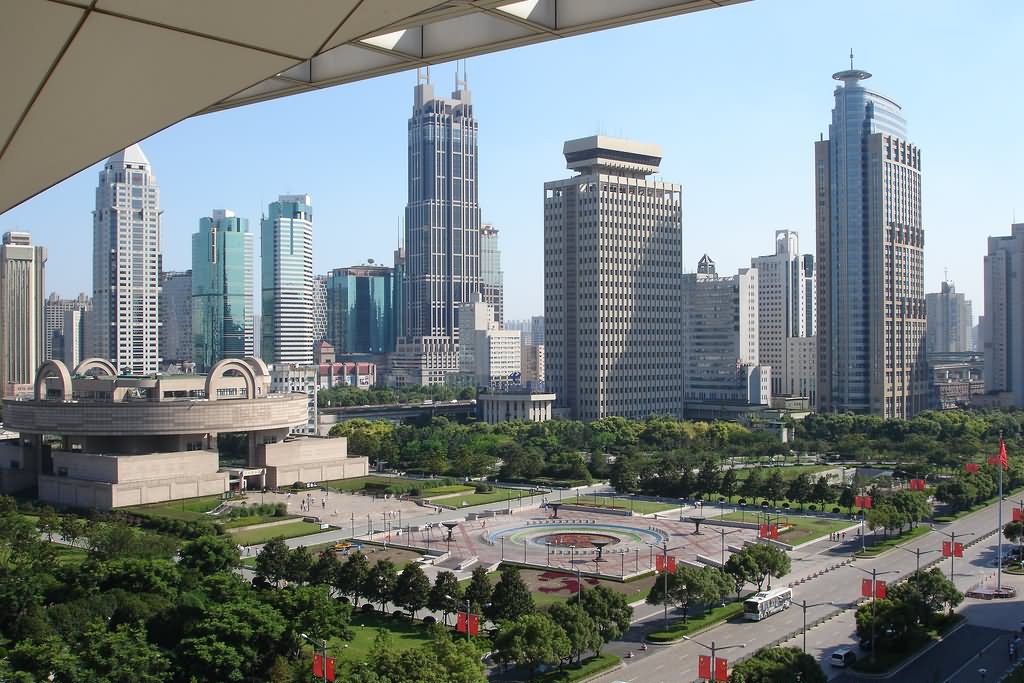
[735,97]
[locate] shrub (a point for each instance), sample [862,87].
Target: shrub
[812,508]
[368,608]
[429,620]
[415,491]
[836,511]
[280,510]
[483,487]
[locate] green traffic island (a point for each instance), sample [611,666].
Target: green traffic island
[981,505]
[590,666]
[877,546]
[676,631]
[892,654]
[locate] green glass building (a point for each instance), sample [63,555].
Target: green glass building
[222,289]
[361,311]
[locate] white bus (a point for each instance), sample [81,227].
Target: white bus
[767,603]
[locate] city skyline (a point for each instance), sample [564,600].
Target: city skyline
[702,145]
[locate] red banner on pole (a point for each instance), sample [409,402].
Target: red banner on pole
[659,563]
[721,669]
[330,668]
[762,531]
[880,590]
[773,532]
[958,550]
[671,563]
[474,624]
[704,667]
[460,623]
[865,587]
[1018,514]
[972,467]
[917,484]
[863,502]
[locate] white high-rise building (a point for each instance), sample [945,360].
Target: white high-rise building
[949,320]
[126,264]
[488,356]
[54,311]
[612,274]
[74,337]
[785,300]
[293,378]
[287,281]
[1002,326]
[720,340]
[22,272]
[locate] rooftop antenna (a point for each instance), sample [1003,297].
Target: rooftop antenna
[851,59]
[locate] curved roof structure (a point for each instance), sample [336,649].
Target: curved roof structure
[67,61]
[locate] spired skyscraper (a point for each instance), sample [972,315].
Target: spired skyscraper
[222,305]
[870,257]
[442,217]
[286,245]
[126,264]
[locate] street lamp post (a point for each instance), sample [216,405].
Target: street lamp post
[322,647]
[664,568]
[713,649]
[805,607]
[917,552]
[952,546]
[502,548]
[549,554]
[723,534]
[874,591]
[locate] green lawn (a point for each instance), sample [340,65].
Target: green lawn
[445,490]
[404,635]
[290,530]
[359,483]
[496,496]
[642,507]
[236,522]
[68,555]
[789,472]
[679,629]
[189,510]
[887,543]
[802,529]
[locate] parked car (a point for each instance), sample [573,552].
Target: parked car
[842,657]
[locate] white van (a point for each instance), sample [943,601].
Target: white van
[842,657]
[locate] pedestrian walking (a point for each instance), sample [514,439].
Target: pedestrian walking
[1011,652]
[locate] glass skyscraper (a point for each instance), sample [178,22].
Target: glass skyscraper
[870,254]
[361,309]
[442,217]
[222,290]
[286,245]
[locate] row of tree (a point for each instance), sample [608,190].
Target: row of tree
[342,396]
[909,609]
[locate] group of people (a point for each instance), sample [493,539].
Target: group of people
[837,536]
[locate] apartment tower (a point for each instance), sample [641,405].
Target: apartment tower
[949,320]
[286,244]
[612,277]
[870,254]
[126,264]
[1002,326]
[492,277]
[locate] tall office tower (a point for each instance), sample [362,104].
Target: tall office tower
[176,316]
[257,337]
[492,277]
[74,338]
[126,264]
[22,270]
[785,300]
[488,356]
[949,320]
[1002,326]
[54,309]
[532,360]
[319,308]
[222,290]
[360,309]
[398,295]
[537,330]
[720,341]
[870,249]
[286,245]
[612,274]
[442,218]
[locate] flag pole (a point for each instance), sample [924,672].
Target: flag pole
[999,529]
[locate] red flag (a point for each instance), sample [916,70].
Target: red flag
[865,587]
[1018,514]
[762,531]
[330,668]
[704,667]
[880,590]
[867,502]
[659,563]
[863,502]
[460,624]
[775,531]
[318,666]
[917,484]
[721,669]
[947,549]
[958,550]
[1002,455]
[972,467]
[474,624]
[671,563]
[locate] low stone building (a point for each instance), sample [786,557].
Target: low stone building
[93,439]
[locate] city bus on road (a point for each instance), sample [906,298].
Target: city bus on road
[764,604]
